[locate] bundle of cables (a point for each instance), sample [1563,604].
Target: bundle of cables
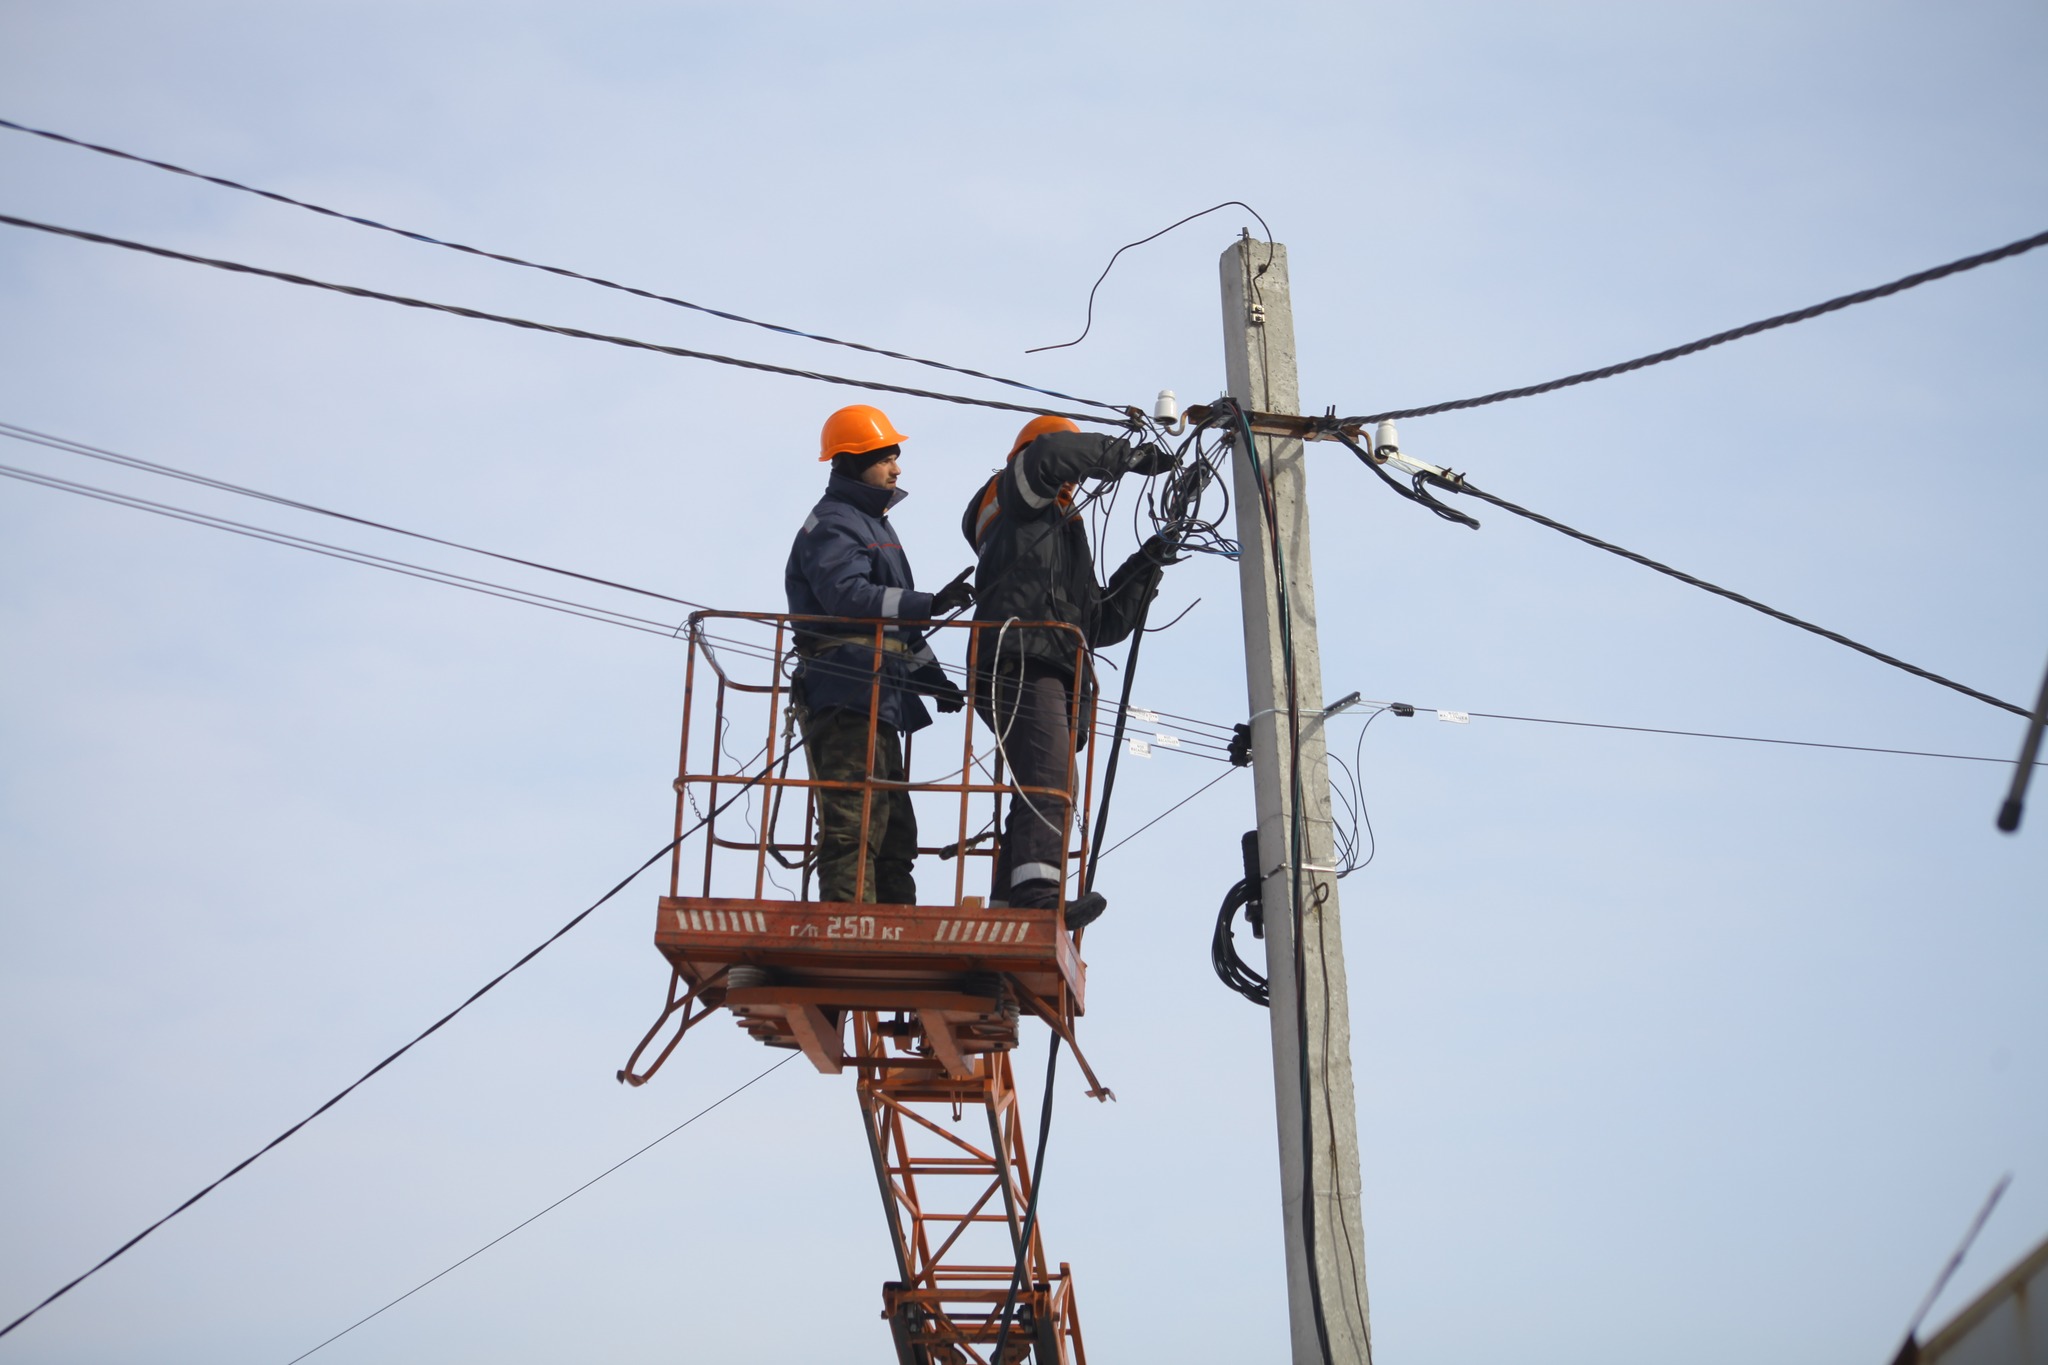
[1231,969]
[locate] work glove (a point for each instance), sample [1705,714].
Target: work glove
[1148,460]
[955,595]
[1161,550]
[1141,572]
[931,680]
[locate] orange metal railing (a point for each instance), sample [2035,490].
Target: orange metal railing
[745,660]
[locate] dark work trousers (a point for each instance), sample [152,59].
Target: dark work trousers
[1031,720]
[837,744]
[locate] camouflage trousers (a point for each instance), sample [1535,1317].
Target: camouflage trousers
[836,742]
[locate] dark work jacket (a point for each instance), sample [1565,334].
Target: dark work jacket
[1034,563]
[847,562]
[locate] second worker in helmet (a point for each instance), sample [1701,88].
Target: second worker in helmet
[1035,564]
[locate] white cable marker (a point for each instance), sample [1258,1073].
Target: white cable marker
[1139,748]
[1170,741]
[1143,717]
[1455,717]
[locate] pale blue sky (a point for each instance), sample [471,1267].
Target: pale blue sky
[1665,1048]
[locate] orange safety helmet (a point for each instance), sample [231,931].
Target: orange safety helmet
[1037,427]
[856,431]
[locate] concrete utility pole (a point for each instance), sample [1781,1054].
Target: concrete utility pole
[1325,1238]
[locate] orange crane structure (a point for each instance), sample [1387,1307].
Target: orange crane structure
[922,1003]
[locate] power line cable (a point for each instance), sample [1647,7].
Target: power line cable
[1168,811]
[1090,323]
[549,1209]
[421,1037]
[65,443]
[535,265]
[1458,485]
[1898,286]
[1193,746]
[578,333]
[1196,744]
[602,615]
[1403,709]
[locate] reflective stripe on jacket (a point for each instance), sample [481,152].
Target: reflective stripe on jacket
[1033,558]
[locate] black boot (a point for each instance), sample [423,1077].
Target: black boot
[1086,910]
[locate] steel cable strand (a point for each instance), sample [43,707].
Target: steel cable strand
[486,587]
[1460,486]
[421,1037]
[578,333]
[1898,286]
[1194,743]
[563,271]
[730,1094]
[71,447]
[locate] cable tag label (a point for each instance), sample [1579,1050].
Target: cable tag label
[1139,748]
[1455,717]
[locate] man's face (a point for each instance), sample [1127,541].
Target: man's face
[882,473]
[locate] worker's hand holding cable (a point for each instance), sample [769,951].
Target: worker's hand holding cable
[932,681]
[1148,460]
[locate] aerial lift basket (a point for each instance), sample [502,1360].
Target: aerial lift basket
[922,1002]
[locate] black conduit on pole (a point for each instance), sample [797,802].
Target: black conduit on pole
[2030,748]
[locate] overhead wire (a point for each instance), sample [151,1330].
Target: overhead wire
[417,1039]
[1357,824]
[1195,746]
[1199,738]
[562,271]
[1168,811]
[1090,324]
[1296,835]
[66,444]
[527,324]
[730,1094]
[1459,485]
[1404,708]
[485,587]
[1898,286]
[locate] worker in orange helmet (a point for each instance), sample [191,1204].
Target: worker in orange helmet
[1034,564]
[847,562]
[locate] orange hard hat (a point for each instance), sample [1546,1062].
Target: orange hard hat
[1039,426]
[856,431]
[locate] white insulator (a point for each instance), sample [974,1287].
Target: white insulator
[1167,408]
[1386,440]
